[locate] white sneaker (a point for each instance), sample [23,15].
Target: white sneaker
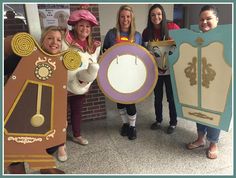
[80,140]
[62,158]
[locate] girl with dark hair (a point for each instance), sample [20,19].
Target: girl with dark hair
[208,19]
[158,29]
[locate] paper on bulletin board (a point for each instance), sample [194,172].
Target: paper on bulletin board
[55,17]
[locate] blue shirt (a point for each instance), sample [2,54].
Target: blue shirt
[110,38]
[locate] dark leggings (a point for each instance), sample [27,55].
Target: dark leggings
[130,108]
[158,92]
[76,103]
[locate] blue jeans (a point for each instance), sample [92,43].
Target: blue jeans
[158,92]
[212,134]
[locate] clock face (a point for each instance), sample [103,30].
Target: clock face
[128,67]
[43,71]
[128,73]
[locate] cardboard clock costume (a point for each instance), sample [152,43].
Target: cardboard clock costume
[201,75]
[35,103]
[128,73]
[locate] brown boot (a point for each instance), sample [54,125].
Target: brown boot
[51,171]
[17,168]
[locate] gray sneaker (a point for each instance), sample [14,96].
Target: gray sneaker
[156,126]
[171,129]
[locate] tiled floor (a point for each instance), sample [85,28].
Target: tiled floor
[152,153]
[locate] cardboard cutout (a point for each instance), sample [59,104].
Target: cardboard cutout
[80,78]
[162,50]
[128,73]
[35,103]
[201,75]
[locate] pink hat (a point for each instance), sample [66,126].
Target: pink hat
[82,15]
